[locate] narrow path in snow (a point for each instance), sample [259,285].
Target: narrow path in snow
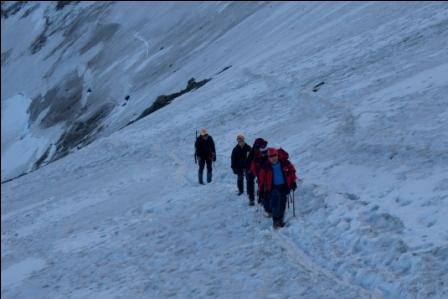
[143,227]
[251,219]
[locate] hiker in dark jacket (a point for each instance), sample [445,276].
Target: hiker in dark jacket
[206,154]
[241,167]
[257,157]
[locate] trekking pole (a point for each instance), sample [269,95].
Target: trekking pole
[195,159]
[258,200]
[293,205]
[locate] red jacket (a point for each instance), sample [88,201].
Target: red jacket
[255,166]
[267,176]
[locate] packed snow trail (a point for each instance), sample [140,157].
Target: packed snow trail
[127,234]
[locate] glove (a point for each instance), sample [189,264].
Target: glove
[293,186]
[213,157]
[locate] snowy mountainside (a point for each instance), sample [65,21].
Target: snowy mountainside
[355,92]
[92,67]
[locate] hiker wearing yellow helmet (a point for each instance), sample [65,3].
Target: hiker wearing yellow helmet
[205,153]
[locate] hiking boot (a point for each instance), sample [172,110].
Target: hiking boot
[267,214]
[278,224]
[251,203]
[240,192]
[209,177]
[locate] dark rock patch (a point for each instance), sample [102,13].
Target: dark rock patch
[192,84]
[38,43]
[42,159]
[61,4]
[81,133]
[102,33]
[29,11]
[63,102]
[391,156]
[5,56]
[8,9]
[164,100]
[98,60]
[352,196]
[41,40]
[224,69]
[318,86]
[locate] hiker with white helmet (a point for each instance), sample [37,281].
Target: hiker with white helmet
[241,167]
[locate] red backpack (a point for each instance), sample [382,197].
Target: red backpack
[283,157]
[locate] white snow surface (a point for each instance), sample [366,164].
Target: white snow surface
[124,216]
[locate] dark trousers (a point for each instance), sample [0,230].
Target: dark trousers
[249,183]
[266,201]
[201,170]
[277,199]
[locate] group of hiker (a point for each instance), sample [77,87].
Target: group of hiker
[270,167]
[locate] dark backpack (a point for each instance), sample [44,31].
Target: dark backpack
[282,155]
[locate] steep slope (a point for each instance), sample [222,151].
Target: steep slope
[89,68]
[355,92]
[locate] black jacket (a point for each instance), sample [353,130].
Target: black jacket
[239,157]
[205,148]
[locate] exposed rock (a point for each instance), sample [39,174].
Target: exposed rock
[81,133]
[61,4]
[164,100]
[12,9]
[318,86]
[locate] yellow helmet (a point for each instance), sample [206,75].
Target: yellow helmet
[203,132]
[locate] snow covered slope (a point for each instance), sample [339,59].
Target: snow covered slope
[355,92]
[90,68]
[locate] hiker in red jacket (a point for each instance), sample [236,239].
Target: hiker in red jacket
[277,178]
